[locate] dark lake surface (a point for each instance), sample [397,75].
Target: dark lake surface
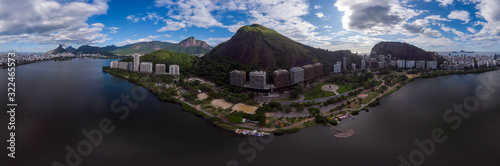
[58,100]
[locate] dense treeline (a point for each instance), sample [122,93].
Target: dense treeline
[444,72]
[185,61]
[86,49]
[148,47]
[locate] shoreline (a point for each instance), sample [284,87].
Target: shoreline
[222,123]
[308,122]
[61,59]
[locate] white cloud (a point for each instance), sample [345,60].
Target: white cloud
[216,41]
[327,27]
[320,15]
[488,9]
[460,15]
[357,43]
[375,17]
[113,29]
[445,3]
[90,34]
[339,33]
[192,13]
[317,6]
[284,16]
[235,27]
[488,37]
[133,18]
[471,30]
[171,26]
[146,39]
[50,22]
[453,30]
[211,30]
[428,32]
[419,26]
[422,41]
[436,17]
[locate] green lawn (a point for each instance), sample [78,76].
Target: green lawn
[343,88]
[316,92]
[370,97]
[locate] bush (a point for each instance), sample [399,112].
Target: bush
[275,105]
[279,131]
[320,119]
[313,111]
[234,119]
[294,94]
[216,119]
[355,112]
[299,108]
[285,131]
[251,95]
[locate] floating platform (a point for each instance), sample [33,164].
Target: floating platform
[345,134]
[342,134]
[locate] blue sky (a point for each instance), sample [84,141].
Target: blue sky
[435,25]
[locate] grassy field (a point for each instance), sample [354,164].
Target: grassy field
[370,97]
[316,92]
[353,105]
[343,88]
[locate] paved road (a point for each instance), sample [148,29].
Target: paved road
[305,101]
[199,109]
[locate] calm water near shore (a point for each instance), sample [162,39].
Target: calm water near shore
[57,100]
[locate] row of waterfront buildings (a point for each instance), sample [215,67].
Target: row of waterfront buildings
[385,61]
[41,57]
[455,62]
[33,57]
[281,77]
[145,67]
[459,62]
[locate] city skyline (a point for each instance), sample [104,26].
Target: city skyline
[357,25]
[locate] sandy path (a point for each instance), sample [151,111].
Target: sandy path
[202,96]
[411,76]
[245,108]
[221,103]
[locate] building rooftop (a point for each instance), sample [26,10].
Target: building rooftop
[296,69]
[258,73]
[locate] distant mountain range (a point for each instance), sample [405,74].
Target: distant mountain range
[189,46]
[58,50]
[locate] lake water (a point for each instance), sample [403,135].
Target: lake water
[57,100]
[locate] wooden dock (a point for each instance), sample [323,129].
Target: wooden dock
[342,134]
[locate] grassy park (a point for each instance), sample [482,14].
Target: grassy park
[316,92]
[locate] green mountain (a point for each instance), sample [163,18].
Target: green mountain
[161,56]
[256,47]
[188,46]
[403,51]
[86,49]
